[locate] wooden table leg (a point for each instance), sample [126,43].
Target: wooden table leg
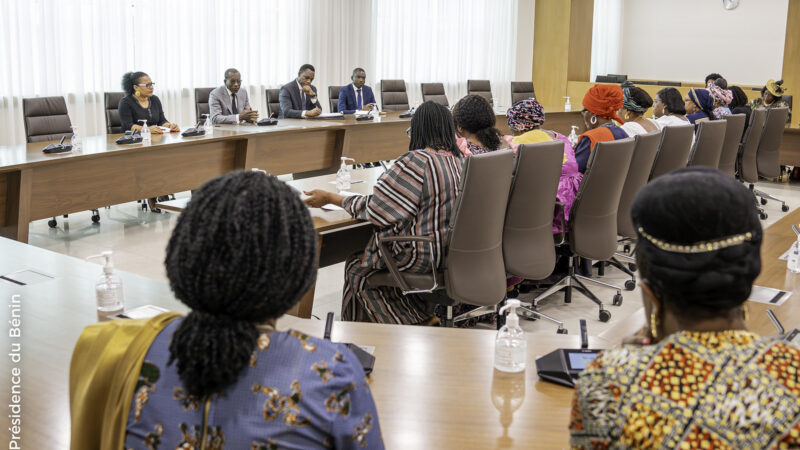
[306,304]
[15,202]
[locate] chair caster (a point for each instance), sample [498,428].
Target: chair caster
[561,331]
[617,301]
[763,216]
[626,248]
[629,285]
[513,293]
[785,208]
[604,315]
[52,223]
[567,295]
[144,206]
[763,201]
[632,266]
[96,218]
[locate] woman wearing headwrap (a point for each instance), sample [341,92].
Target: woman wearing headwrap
[525,119]
[636,101]
[600,106]
[699,105]
[722,98]
[771,95]
[694,377]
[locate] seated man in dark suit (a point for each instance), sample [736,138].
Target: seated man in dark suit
[229,104]
[356,96]
[298,97]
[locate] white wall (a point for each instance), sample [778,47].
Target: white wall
[685,40]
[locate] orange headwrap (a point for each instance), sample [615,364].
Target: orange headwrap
[604,100]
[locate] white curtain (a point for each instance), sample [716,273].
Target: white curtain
[446,41]
[606,37]
[79,49]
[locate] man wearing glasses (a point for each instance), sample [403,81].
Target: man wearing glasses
[229,103]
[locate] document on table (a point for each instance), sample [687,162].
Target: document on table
[770,296]
[330,116]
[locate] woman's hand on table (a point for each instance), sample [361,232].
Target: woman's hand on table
[318,198]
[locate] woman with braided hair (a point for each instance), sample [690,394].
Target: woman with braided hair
[241,255]
[694,377]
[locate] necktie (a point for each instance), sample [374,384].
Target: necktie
[359,103]
[303,98]
[234,107]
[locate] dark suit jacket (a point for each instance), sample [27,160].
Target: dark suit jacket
[292,106]
[347,98]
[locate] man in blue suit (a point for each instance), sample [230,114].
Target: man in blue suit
[355,96]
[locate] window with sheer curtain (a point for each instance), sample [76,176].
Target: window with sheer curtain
[79,49]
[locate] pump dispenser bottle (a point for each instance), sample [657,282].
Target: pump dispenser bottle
[510,347]
[110,299]
[343,175]
[573,136]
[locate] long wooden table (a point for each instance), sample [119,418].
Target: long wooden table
[34,185]
[433,387]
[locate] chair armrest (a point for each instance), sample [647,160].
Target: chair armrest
[392,265]
[561,207]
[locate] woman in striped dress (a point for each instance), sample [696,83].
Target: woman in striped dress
[415,197]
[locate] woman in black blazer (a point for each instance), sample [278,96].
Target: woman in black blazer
[141,104]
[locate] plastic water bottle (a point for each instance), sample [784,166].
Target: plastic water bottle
[108,289]
[793,262]
[76,139]
[510,346]
[145,132]
[207,125]
[343,175]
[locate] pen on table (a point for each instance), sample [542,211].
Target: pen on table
[356,181]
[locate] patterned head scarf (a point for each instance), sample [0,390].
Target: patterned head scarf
[701,98]
[604,100]
[723,96]
[525,115]
[628,102]
[775,88]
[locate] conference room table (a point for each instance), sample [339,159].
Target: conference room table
[35,185]
[433,387]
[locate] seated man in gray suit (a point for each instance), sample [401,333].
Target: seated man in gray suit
[229,104]
[298,97]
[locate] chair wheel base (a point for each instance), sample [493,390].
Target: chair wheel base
[763,216]
[763,201]
[617,301]
[604,315]
[632,266]
[785,208]
[52,223]
[96,218]
[562,331]
[629,285]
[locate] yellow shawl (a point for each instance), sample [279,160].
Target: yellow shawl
[102,377]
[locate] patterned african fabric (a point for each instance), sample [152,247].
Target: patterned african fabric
[570,179]
[587,140]
[415,197]
[757,103]
[469,148]
[297,392]
[714,390]
[721,111]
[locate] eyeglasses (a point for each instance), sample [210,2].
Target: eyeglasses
[148,85]
[408,132]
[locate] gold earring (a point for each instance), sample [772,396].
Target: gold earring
[136,94]
[653,325]
[745,313]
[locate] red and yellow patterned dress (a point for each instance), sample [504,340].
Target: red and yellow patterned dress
[711,390]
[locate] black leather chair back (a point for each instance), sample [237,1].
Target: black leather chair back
[482,88]
[46,119]
[333,97]
[273,102]
[434,92]
[521,90]
[393,95]
[111,100]
[201,101]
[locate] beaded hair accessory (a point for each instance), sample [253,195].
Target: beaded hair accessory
[698,247]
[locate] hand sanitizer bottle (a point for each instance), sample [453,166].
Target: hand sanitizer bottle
[145,132]
[793,262]
[573,136]
[343,175]
[110,299]
[207,125]
[510,346]
[567,105]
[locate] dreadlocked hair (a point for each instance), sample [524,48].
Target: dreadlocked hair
[243,251]
[739,97]
[686,207]
[432,127]
[474,114]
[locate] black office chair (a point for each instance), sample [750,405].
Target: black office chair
[273,102]
[333,98]
[521,90]
[201,102]
[767,156]
[46,119]
[434,92]
[111,100]
[482,88]
[394,96]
